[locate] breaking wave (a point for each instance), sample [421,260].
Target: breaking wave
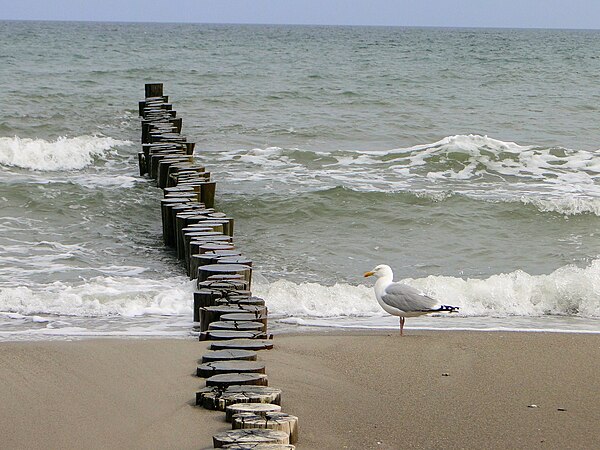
[553,179]
[62,154]
[101,297]
[568,291]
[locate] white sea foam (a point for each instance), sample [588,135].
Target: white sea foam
[466,157]
[102,181]
[569,205]
[483,159]
[287,298]
[564,300]
[553,179]
[569,291]
[61,154]
[102,296]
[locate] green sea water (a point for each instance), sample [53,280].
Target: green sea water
[467,159]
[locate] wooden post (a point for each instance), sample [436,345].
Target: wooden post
[142,163]
[240,301]
[229,355]
[219,399]
[165,205]
[214,269]
[212,313]
[209,294]
[255,446]
[249,316]
[207,193]
[208,369]
[242,344]
[260,409]
[184,243]
[233,325]
[271,421]
[230,379]
[199,243]
[256,436]
[154,90]
[220,335]
[202,299]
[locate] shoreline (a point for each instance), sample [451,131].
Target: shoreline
[303,330]
[350,390]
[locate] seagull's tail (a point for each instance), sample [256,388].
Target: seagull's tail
[447,308]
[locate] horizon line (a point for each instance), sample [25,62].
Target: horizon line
[303,24]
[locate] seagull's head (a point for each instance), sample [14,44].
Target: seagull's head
[379,271]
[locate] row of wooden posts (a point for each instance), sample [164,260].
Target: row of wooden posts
[225,312]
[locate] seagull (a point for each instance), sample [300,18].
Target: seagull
[402,300]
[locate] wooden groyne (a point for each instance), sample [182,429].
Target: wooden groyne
[225,311]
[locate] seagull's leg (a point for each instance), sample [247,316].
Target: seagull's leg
[402,319]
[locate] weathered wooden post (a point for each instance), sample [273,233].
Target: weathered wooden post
[229,355]
[219,269]
[154,90]
[270,420]
[249,316]
[215,398]
[260,409]
[211,314]
[254,436]
[243,344]
[237,379]
[208,369]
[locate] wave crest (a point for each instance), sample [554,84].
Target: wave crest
[553,179]
[101,297]
[569,291]
[467,157]
[62,154]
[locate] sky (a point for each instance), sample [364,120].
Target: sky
[445,13]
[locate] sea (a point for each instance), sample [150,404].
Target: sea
[466,159]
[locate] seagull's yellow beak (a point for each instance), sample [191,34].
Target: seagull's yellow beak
[368,274]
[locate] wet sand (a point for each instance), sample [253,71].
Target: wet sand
[356,391]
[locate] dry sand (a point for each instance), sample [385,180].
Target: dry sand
[386,392]
[102,394]
[356,391]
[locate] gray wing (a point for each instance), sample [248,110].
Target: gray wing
[407,299]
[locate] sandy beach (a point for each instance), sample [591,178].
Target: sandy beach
[357,391]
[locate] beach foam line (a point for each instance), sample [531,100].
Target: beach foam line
[547,324]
